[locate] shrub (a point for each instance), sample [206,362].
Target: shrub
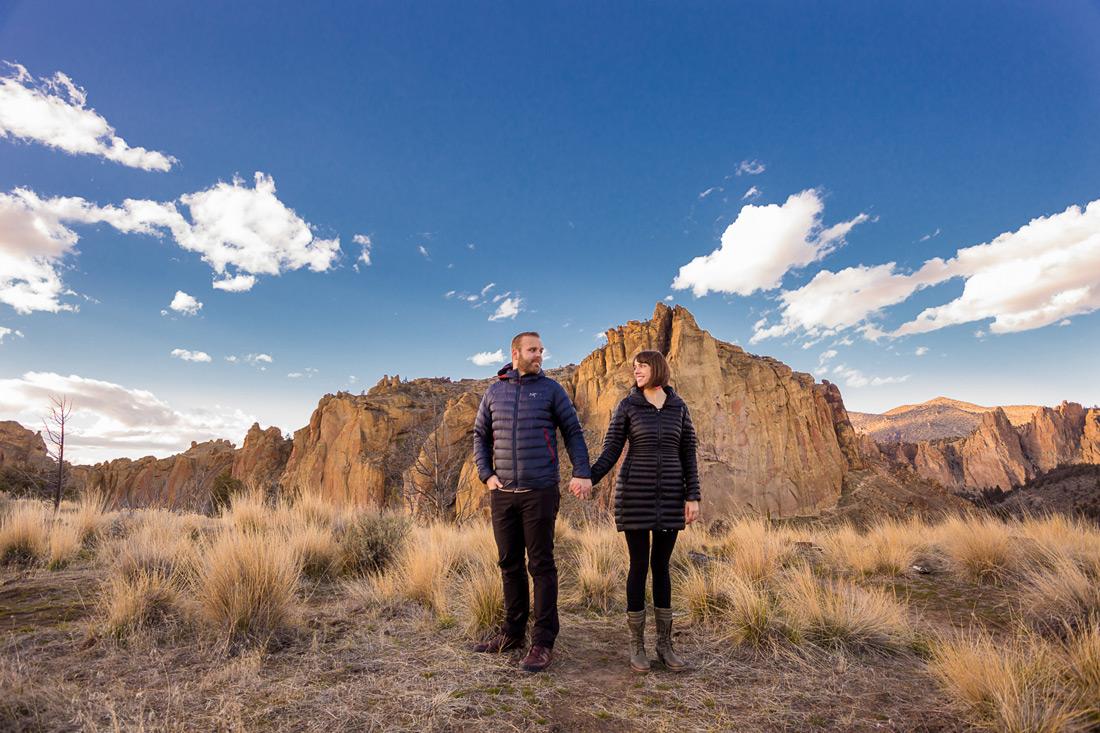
[222,491]
[373,541]
[245,586]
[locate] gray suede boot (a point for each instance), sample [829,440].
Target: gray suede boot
[666,655]
[635,620]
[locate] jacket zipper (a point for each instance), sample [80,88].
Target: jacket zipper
[659,523]
[515,431]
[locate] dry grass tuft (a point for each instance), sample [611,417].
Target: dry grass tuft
[756,551]
[65,545]
[1082,669]
[482,600]
[841,616]
[1061,594]
[25,533]
[137,600]
[599,568]
[889,547]
[316,549]
[245,587]
[1009,686]
[983,549]
[89,517]
[248,512]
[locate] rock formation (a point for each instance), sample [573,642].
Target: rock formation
[998,455]
[262,458]
[182,481]
[21,447]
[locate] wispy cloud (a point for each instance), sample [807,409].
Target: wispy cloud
[926,237]
[7,331]
[921,350]
[185,304]
[763,245]
[856,378]
[709,191]
[52,112]
[752,193]
[750,168]
[508,308]
[487,358]
[363,240]
[200,356]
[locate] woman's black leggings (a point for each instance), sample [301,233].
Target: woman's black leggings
[637,543]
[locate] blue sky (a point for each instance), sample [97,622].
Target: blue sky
[902,199]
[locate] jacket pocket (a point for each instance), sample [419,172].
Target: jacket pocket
[550,445]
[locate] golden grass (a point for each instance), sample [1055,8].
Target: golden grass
[64,545]
[1010,686]
[248,512]
[159,544]
[89,516]
[245,586]
[1060,594]
[599,568]
[838,615]
[888,547]
[983,549]
[24,532]
[482,600]
[140,599]
[1058,535]
[756,551]
[314,546]
[1082,669]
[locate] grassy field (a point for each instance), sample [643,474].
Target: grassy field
[304,616]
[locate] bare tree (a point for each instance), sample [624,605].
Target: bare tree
[439,449]
[55,433]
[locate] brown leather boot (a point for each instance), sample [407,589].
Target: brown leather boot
[635,621]
[500,643]
[666,655]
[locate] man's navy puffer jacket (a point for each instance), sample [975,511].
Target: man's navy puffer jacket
[515,434]
[660,471]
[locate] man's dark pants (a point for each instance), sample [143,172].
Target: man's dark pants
[524,522]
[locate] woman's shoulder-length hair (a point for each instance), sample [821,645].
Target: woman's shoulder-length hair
[660,374]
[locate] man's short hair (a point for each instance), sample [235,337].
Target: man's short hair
[519,338]
[659,373]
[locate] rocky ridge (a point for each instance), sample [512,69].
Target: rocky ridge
[998,454]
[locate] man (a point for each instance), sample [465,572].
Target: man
[515,446]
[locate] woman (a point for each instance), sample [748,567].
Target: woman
[656,493]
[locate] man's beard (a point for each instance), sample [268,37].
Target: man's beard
[526,366]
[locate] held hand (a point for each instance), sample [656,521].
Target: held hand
[691,512]
[494,483]
[581,488]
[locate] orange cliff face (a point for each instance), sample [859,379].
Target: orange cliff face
[770,439]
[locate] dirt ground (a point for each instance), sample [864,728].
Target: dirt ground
[397,669]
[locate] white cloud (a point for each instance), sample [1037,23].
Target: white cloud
[232,227]
[7,331]
[424,252]
[1042,274]
[921,350]
[256,359]
[190,355]
[487,358]
[185,304]
[708,192]
[52,112]
[856,378]
[235,284]
[232,359]
[487,288]
[294,375]
[363,240]
[113,421]
[668,298]
[926,237]
[601,336]
[508,308]
[752,193]
[763,245]
[750,168]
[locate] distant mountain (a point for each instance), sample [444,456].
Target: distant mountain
[938,418]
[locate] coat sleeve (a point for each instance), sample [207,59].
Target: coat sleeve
[483,439]
[613,441]
[688,459]
[565,415]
